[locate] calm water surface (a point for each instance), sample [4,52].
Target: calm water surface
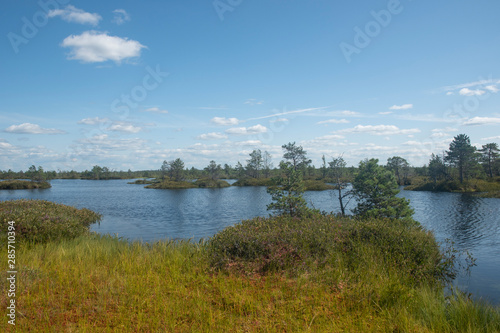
[136,213]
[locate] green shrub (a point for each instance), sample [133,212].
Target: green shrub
[23,185]
[42,221]
[254,182]
[171,185]
[317,185]
[211,183]
[322,243]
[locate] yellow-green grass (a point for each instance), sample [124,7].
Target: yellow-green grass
[320,274]
[103,284]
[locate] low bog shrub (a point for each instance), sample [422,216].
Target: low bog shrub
[295,245]
[41,221]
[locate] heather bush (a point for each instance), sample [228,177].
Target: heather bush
[41,221]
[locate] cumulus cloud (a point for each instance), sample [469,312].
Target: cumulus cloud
[225,121]
[156,110]
[334,121]
[401,107]
[469,92]
[481,121]
[102,143]
[27,128]
[212,136]
[120,16]
[247,130]
[72,14]
[93,46]
[93,121]
[124,128]
[379,130]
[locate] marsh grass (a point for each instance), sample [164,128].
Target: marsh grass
[263,275]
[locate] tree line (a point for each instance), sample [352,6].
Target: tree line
[461,162]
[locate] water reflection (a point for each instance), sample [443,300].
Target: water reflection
[137,213]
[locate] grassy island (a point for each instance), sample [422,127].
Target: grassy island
[310,185]
[483,188]
[171,185]
[253,182]
[211,183]
[320,274]
[23,185]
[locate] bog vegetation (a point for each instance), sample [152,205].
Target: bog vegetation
[297,270]
[284,273]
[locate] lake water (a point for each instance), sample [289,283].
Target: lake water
[136,213]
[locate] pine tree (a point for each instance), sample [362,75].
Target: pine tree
[375,189]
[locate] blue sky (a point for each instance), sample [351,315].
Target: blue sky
[128,84]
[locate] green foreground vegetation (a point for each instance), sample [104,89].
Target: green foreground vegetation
[320,274]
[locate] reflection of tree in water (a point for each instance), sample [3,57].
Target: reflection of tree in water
[467,221]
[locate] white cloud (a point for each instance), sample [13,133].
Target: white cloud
[469,92]
[212,136]
[470,84]
[481,121]
[334,121]
[120,16]
[287,112]
[93,121]
[93,46]
[349,113]
[279,120]
[253,101]
[379,130]
[385,113]
[72,14]
[28,128]
[446,129]
[247,130]
[102,144]
[491,138]
[252,143]
[125,128]
[401,107]
[492,88]
[225,121]
[449,93]
[156,110]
